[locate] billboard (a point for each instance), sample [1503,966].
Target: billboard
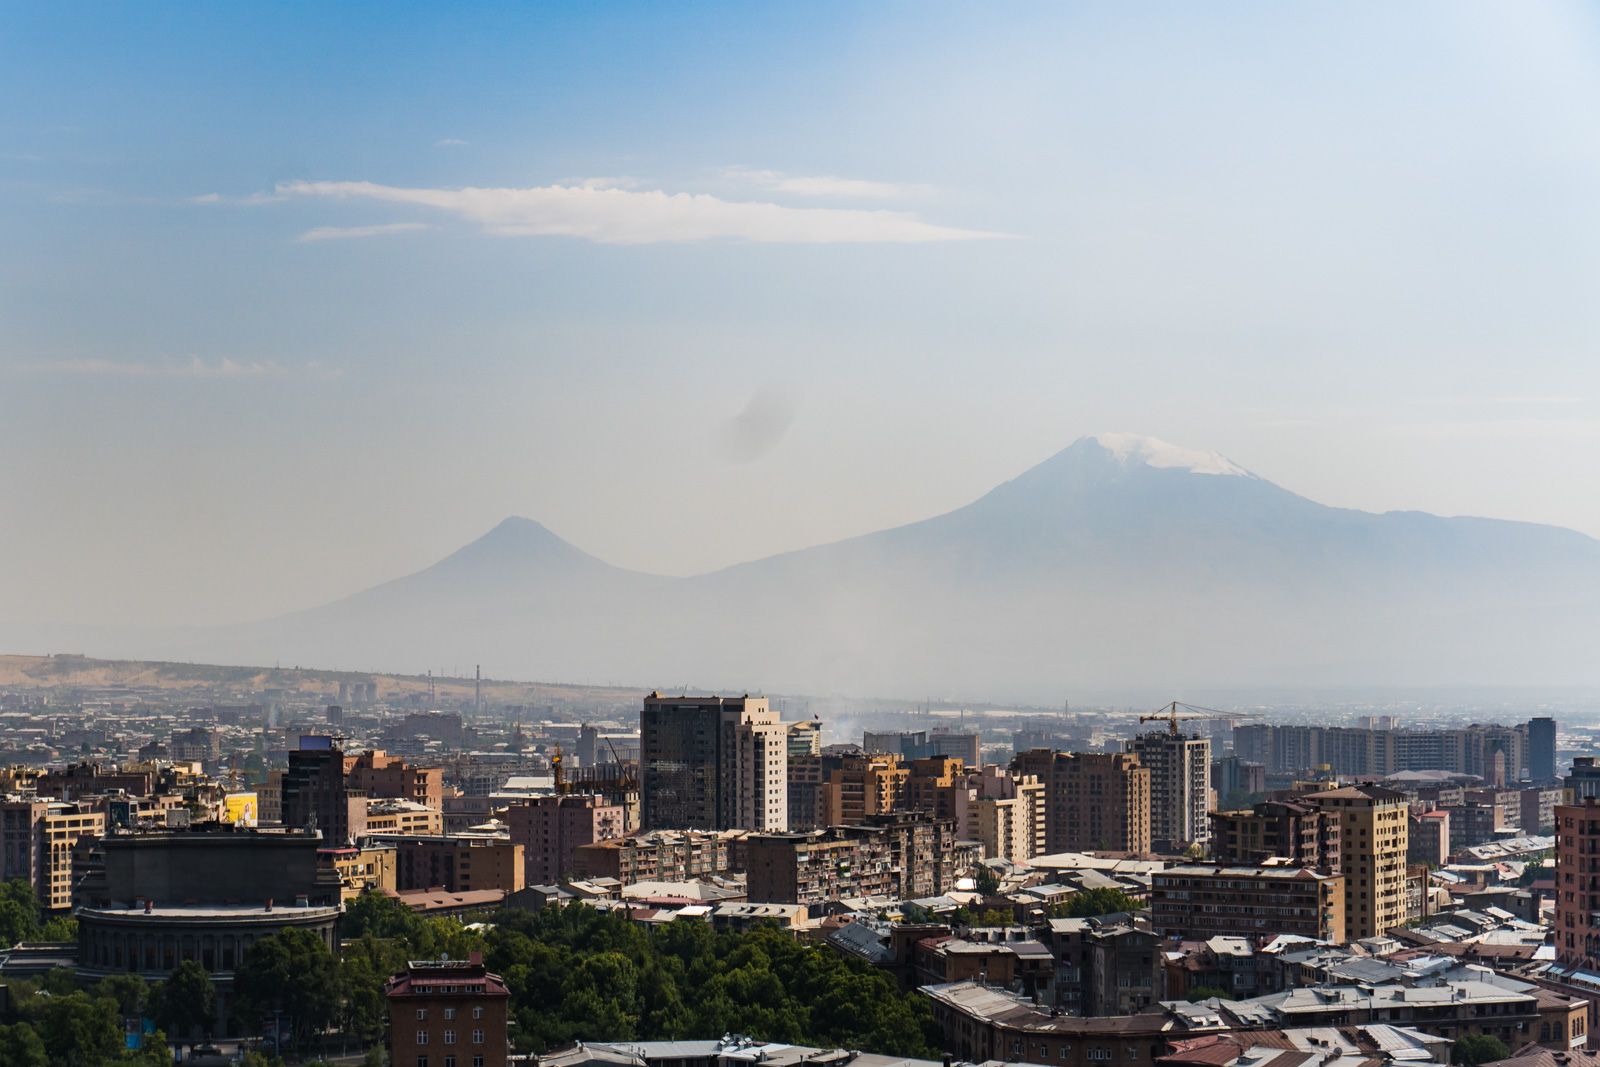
[239,809]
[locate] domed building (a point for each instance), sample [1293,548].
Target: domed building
[158,897]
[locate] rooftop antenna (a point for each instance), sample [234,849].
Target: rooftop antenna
[477,688]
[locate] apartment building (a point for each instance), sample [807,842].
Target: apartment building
[457,864]
[713,763]
[1302,834]
[661,856]
[1197,902]
[1180,788]
[380,775]
[1092,801]
[902,856]
[551,830]
[1373,843]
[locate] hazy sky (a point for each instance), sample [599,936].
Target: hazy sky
[294,299]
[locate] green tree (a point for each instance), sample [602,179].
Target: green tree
[130,991]
[1206,992]
[382,916]
[1092,902]
[988,881]
[78,1030]
[19,912]
[292,973]
[21,1046]
[188,1000]
[1472,1049]
[153,1053]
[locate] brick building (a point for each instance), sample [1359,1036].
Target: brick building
[458,864]
[447,1013]
[1092,801]
[551,830]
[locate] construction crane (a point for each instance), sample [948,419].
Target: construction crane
[1170,716]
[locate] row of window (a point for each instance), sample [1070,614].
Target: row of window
[449,1013]
[449,1037]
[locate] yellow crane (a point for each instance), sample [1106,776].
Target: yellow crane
[1170,716]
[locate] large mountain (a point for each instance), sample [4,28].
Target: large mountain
[1119,564]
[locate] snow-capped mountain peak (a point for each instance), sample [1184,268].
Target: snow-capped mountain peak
[1134,448]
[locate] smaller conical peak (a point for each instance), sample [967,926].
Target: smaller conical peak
[1132,448]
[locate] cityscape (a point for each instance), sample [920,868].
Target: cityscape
[835,534]
[349,867]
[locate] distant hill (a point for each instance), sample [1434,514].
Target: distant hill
[69,671]
[1121,563]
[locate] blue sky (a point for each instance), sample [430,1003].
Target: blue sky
[737,279]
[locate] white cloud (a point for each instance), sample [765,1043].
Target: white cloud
[823,185]
[249,199]
[194,367]
[624,216]
[340,233]
[449,142]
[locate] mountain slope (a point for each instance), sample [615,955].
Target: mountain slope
[1119,563]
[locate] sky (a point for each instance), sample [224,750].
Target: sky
[298,298]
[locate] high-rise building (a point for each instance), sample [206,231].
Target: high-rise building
[1092,801]
[920,744]
[1373,841]
[805,738]
[316,793]
[863,786]
[37,840]
[1542,749]
[1008,815]
[1578,884]
[713,763]
[1583,781]
[1495,753]
[1180,788]
[551,830]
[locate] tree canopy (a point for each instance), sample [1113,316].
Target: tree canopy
[578,973]
[1470,1050]
[1091,902]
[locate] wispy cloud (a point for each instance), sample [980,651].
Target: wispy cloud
[342,233]
[625,216]
[247,200]
[826,186]
[194,367]
[449,142]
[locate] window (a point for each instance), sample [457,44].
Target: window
[422,1061]
[422,1037]
[449,1061]
[477,1037]
[449,1013]
[449,1037]
[477,1061]
[422,1013]
[477,1013]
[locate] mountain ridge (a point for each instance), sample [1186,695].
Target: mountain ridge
[1118,562]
